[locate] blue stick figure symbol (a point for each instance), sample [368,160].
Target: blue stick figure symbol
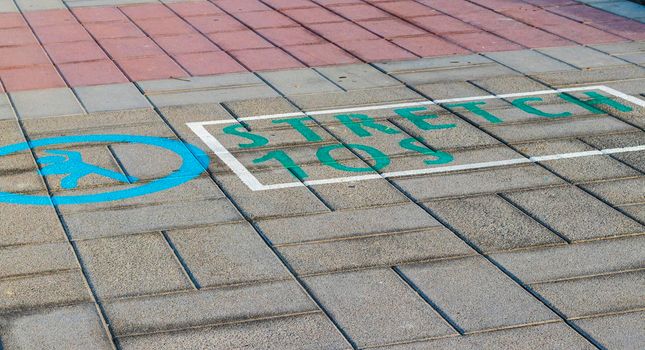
[71,164]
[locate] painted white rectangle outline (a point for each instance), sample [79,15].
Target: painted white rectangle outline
[255,185]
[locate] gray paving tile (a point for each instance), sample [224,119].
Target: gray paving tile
[359,194]
[574,213]
[621,47]
[547,336]
[528,61]
[18,173]
[479,220]
[355,98]
[477,182]
[577,169]
[637,211]
[299,81]
[263,106]
[29,224]
[450,89]
[622,331]
[33,5]
[45,103]
[132,265]
[620,192]
[376,308]
[227,254]
[75,327]
[595,295]
[36,258]
[457,73]
[8,6]
[380,250]
[558,128]
[209,96]
[357,76]
[574,260]
[510,84]
[581,57]
[346,223]
[197,83]
[476,295]
[634,159]
[38,291]
[432,63]
[6,110]
[111,97]
[309,331]
[578,77]
[206,307]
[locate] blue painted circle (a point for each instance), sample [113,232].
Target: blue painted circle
[194,161]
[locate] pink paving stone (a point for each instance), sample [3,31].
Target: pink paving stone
[406,9]
[629,29]
[343,31]
[207,63]
[313,15]
[131,47]
[49,18]
[215,24]
[452,7]
[62,33]
[376,50]
[483,42]
[113,30]
[290,36]
[241,40]
[31,78]
[316,55]
[92,73]
[289,4]
[531,37]
[265,19]
[79,51]
[20,56]
[584,13]
[185,43]
[197,8]
[98,14]
[17,36]
[147,11]
[360,12]
[443,24]
[165,26]
[11,20]
[338,2]
[235,6]
[266,59]
[390,28]
[585,34]
[500,5]
[429,46]
[551,3]
[148,68]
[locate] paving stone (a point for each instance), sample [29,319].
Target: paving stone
[74,327]
[357,76]
[616,331]
[33,5]
[595,295]
[492,224]
[572,78]
[309,331]
[29,224]
[18,172]
[45,103]
[619,192]
[131,265]
[346,223]
[255,107]
[111,97]
[562,128]
[477,182]
[621,47]
[371,251]
[510,84]
[299,81]
[634,159]
[36,258]
[574,213]
[355,98]
[206,307]
[450,89]
[636,211]
[209,96]
[222,81]
[8,6]
[458,73]
[581,57]
[577,169]
[432,63]
[529,61]
[574,260]
[546,336]
[359,194]
[227,254]
[42,290]
[375,307]
[476,295]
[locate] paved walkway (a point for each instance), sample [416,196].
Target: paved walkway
[329,174]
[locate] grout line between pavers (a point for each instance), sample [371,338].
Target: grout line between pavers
[586,277]
[102,314]
[180,260]
[265,239]
[119,164]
